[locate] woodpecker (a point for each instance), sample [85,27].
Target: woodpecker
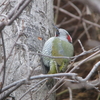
[59,45]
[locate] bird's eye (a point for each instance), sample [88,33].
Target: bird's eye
[69,38]
[57,33]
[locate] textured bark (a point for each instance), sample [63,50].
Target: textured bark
[35,23]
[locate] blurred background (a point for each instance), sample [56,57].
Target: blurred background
[82,21]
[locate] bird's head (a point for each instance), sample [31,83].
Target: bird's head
[63,33]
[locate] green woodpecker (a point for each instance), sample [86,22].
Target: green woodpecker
[60,45]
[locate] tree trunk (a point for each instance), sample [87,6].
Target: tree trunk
[27,35]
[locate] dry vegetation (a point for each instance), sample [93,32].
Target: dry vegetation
[83,76]
[82,23]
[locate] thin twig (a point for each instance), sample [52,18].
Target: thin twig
[92,71]
[7,3]
[65,57]
[66,22]
[86,30]
[75,7]
[14,14]
[80,14]
[70,93]
[22,7]
[4,65]
[54,87]
[82,34]
[32,88]
[81,45]
[10,91]
[11,51]
[84,61]
[40,88]
[58,86]
[93,4]
[19,34]
[77,17]
[57,10]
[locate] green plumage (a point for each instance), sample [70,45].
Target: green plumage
[60,48]
[61,45]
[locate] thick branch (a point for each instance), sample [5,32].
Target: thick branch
[39,77]
[81,84]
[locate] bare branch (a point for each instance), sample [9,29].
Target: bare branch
[57,10]
[65,57]
[80,84]
[81,62]
[92,71]
[93,4]
[13,15]
[4,65]
[81,45]
[89,27]
[10,91]
[84,83]
[77,17]
[76,8]
[70,93]
[32,88]
[39,77]
[20,9]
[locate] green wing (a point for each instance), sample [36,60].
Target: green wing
[62,48]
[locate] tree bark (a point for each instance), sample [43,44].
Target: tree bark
[26,36]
